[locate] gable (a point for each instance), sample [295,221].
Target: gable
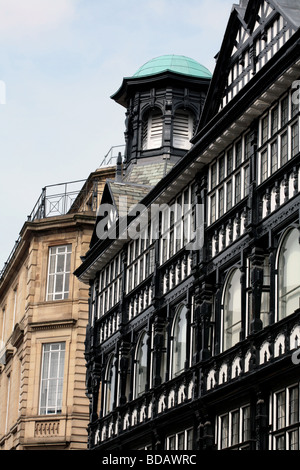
[259,37]
[105,199]
[241,38]
[256,31]
[118,199]
[263,11]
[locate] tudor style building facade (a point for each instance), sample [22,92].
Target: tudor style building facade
[194,324]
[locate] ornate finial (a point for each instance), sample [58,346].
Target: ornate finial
[119,169]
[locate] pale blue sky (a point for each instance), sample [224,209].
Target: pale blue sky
[61,60]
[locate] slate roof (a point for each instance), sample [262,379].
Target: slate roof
[136,184]
[149,174]
[290,9]
[132,192]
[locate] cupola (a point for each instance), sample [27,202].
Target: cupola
[163,102]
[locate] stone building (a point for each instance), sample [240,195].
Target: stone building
[194,323]
[43,317]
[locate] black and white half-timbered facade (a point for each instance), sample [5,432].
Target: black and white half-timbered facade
[193,341]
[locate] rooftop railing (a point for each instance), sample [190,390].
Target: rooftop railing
[56,200]
[110,158]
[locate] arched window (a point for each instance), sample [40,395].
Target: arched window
[289,274]
[179,346]
[232,310]
[182,129]
[110,383]
[141,359]
[152,130]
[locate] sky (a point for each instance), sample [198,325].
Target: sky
[60,62]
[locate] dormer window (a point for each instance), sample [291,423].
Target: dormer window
[152,130]
[182,129]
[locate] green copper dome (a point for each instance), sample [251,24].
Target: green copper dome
[173,63]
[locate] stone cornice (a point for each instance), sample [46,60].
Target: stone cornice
[52,325]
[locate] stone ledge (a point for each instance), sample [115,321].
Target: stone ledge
[50,325]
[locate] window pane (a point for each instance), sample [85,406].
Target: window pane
[264,166]
[265,308]
[53,365]
[52,378]
[229,195]
[59,272]
[295,139]
[280,443]
[68,262]
[274,157]
[110,385]
[59,283]
[246,180]
[246,424]
[235,428]
[237,188]
[189,440]
[265,128]
[293,405]
[172,443]
[238,153]
[294,440]
[284,148]
[247,146]
[141,366]
[289,275]
[179,342]
[284,111]
[213,175]
[67,281]
[232,310]
[274,120]
[181,441]
[60,263]
[221,202]
[229,161]
[224,432]
[213,209]
[221,169]
[52,264]
[280,409]
[51,284]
